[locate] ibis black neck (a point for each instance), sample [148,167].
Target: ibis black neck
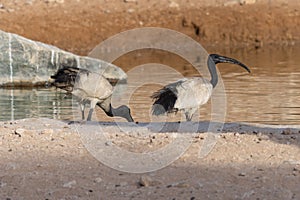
[213,71]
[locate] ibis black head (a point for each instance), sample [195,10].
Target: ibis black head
[123,111]
[223,59]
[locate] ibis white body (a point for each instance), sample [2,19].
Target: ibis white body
[91,88]
[193,92]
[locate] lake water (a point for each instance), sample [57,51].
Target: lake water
[270,94]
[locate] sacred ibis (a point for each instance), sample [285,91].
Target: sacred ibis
[187,94]
[89,88]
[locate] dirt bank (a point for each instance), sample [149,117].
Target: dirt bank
[78,26]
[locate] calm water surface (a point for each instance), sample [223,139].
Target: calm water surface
[270,94]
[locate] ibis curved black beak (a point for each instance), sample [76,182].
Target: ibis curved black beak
[223,59]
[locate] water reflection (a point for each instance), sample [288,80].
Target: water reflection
[269,95]
[23,103]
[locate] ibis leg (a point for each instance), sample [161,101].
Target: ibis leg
[82,106]
[90,114]
[92,107]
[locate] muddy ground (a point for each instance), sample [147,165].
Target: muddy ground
[47,159]
[78,26]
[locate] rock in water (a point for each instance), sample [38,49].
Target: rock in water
[24,62]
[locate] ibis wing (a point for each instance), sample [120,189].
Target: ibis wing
[65,78]
[93,86]
[165,98]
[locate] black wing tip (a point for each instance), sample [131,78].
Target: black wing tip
[157,108]
[155,95]
[65,77]
[164,101]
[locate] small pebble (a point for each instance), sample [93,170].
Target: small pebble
[286,131]
[179,185]
[54,1]
[2,184]
[109,143]
[123,184]
[131,10]
[130,1]
[146,181]
[69,184]
[173,5]
[98,180]
[242,174]
[244,2]
[47,125]
[259,134]
[47,131]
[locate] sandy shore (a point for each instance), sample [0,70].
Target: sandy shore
[48,159]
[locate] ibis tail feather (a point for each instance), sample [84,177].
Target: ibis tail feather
[164,101]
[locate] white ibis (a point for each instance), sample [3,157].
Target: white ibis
[89,88]
[187,94]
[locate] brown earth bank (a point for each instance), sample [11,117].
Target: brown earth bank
[78,26]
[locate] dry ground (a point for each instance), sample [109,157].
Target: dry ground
[47,159]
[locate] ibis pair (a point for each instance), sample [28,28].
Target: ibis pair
[184,95]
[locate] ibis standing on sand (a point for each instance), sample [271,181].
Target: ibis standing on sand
[89,88]
[188,94]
